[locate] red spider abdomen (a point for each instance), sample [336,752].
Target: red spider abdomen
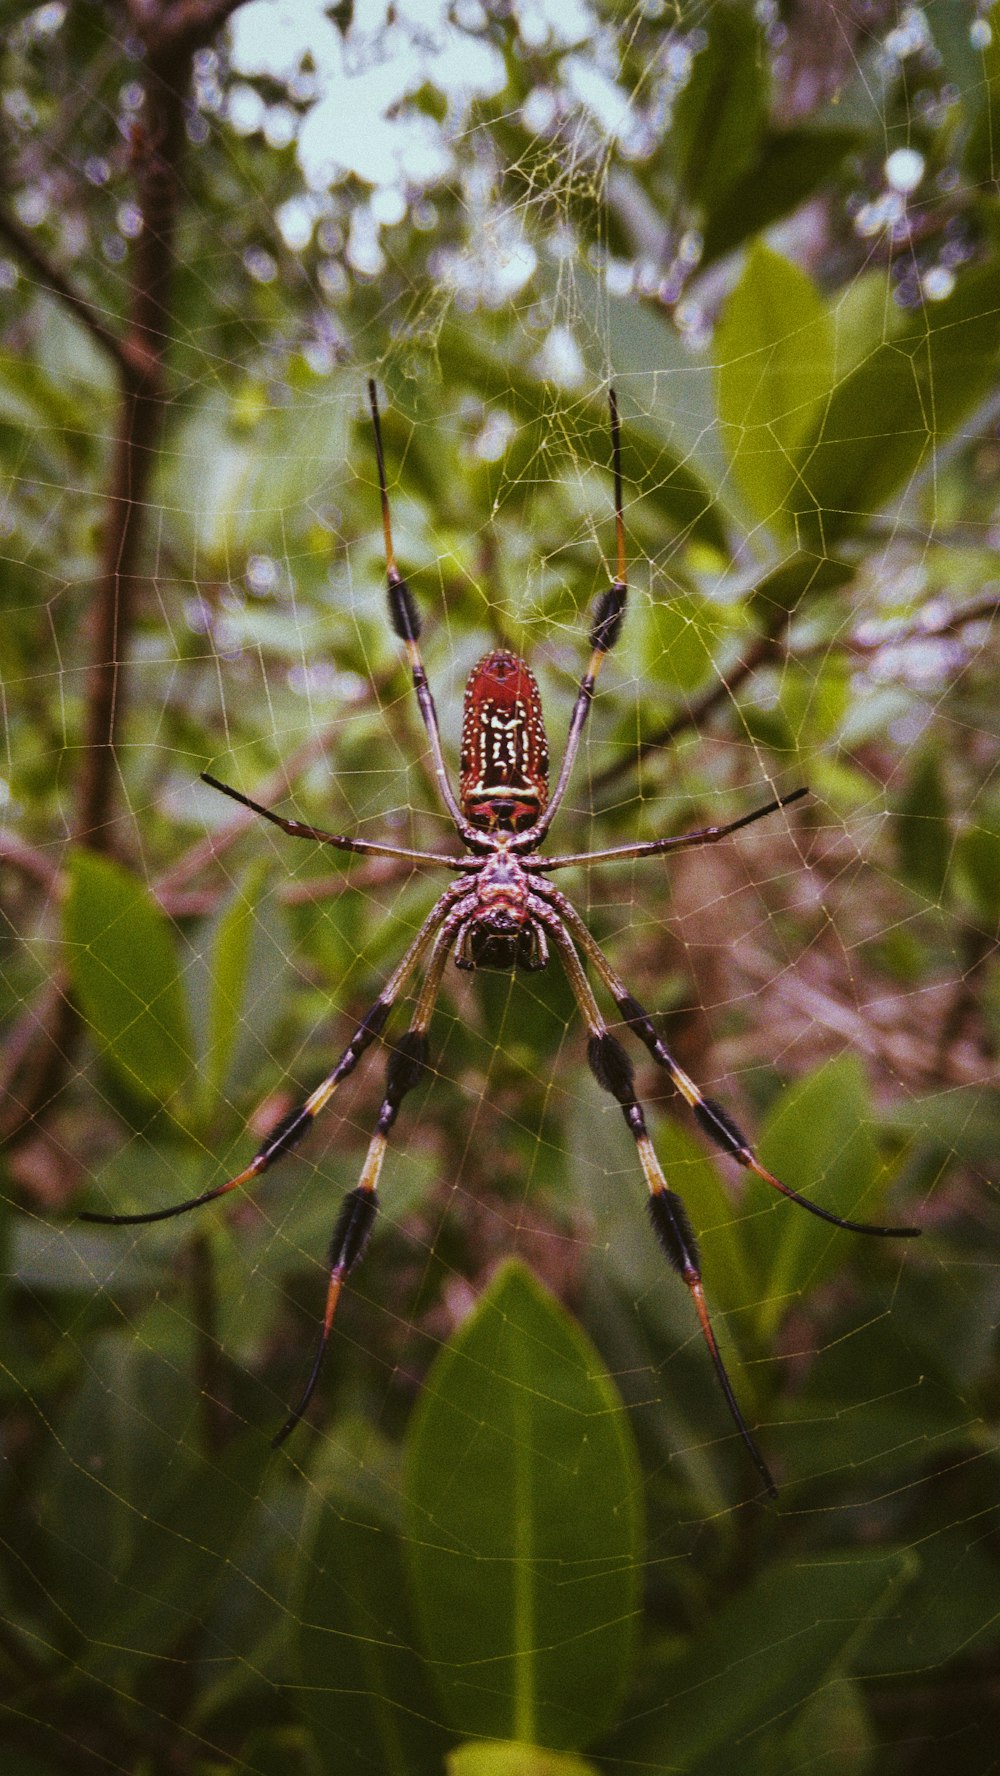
[504,766]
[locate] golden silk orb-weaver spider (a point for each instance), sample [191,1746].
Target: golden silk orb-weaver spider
[502,912]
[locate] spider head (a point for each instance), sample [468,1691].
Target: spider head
[501,941]
[504,765]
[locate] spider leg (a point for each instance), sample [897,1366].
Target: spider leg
[368,847]
[612,1069]
[706,835]
[713,1120]
[290,1129]
[609,612]
[405,619]
[407,1066]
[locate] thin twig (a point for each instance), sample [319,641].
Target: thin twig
[52,281]
[35,865]
[765,648]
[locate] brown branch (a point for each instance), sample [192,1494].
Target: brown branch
[171,34]
[764,649]
[51,280]
[29,862]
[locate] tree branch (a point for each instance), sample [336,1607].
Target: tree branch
[171,34]
[52,281]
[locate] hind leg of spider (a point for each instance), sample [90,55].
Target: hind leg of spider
[407,1066]
[290,1130]
[612,1069]
[712,1119]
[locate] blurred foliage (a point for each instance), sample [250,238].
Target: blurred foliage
[520,1538]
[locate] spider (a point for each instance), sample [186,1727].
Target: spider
[502,912]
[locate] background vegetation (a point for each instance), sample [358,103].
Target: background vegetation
[519,1536]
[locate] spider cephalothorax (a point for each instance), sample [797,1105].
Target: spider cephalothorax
[502,931]
[501,911]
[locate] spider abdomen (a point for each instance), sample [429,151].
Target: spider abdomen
[504,765]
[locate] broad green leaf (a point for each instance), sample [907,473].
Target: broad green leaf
[720,115]
[802,577]
[669,414]
[656,462]
[48,1255]
[236,480]
[888,419]
[820,1141]
[138,1522]
[855,1442]
[923,834]
[124,971]
[949,1609]
[246,988]
[717,1214]
[645,1316]
[365,1693]
[788,167]
[978,853]
[524,1519]
[774,345]
[964,1123]
[762,1656]
[506,1757]
[678,637]
[836,1719]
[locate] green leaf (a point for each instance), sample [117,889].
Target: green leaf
[923,833]
[138,1523]
[801,577]
[246,986]
[837,1719]
[719,117]
[978,853]
[960,1123]
[124,972]
[775,350]
[657,467]
[718,1219]
[887,420]
[949,1608]
[768,1652]
[820,1141]
[524,1515]
[789,166]
[364,1686]
[509,1757]
[677,639]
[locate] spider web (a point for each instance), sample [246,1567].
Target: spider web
[775,238]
